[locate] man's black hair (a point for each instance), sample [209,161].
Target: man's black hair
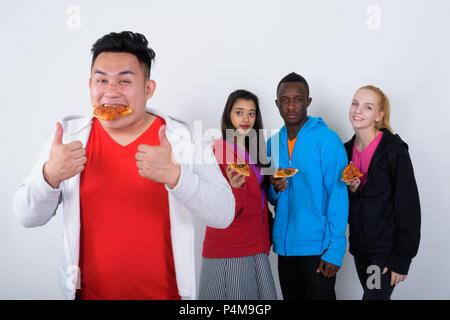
[129,42]
[294,77]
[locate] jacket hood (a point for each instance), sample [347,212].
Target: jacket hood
[312,123]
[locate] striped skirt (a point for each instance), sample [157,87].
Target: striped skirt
[244,278]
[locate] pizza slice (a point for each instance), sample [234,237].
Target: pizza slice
[241,168]
[351,172]
[107,112]
[285,173]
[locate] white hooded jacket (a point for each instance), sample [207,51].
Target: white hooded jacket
[202,191]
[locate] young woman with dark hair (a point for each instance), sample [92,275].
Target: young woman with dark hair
[235,260]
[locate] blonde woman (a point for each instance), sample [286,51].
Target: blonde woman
[384,203]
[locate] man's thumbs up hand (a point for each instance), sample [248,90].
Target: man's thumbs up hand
[58,135]
[156,162]
[65,160]
[163,141]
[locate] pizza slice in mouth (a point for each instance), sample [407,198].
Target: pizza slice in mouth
[107,112]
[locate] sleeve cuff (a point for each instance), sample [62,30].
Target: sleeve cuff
[333,256]
[353,196]
[40,183]
[273,195]
[185,188]
[398,263]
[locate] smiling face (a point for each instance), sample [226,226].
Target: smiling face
[117,78]
[365,109]
[292,102]
[243,115]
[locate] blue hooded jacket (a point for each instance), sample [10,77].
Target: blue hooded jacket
[311,213]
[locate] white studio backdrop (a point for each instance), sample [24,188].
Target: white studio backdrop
[205,50]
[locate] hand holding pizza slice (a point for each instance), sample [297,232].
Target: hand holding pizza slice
[278,180]
[241,168]
[350,173]
[351,177]
[242,171]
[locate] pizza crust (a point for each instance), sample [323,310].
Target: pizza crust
[285,173]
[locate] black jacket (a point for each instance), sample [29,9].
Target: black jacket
[385,219]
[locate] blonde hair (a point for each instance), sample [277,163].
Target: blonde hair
[384,107]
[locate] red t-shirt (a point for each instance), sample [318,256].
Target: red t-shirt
[125,242]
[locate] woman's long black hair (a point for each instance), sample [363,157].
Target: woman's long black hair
[226,123]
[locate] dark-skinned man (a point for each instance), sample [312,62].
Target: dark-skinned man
[311,207]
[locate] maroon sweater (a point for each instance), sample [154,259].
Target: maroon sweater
[248,234]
